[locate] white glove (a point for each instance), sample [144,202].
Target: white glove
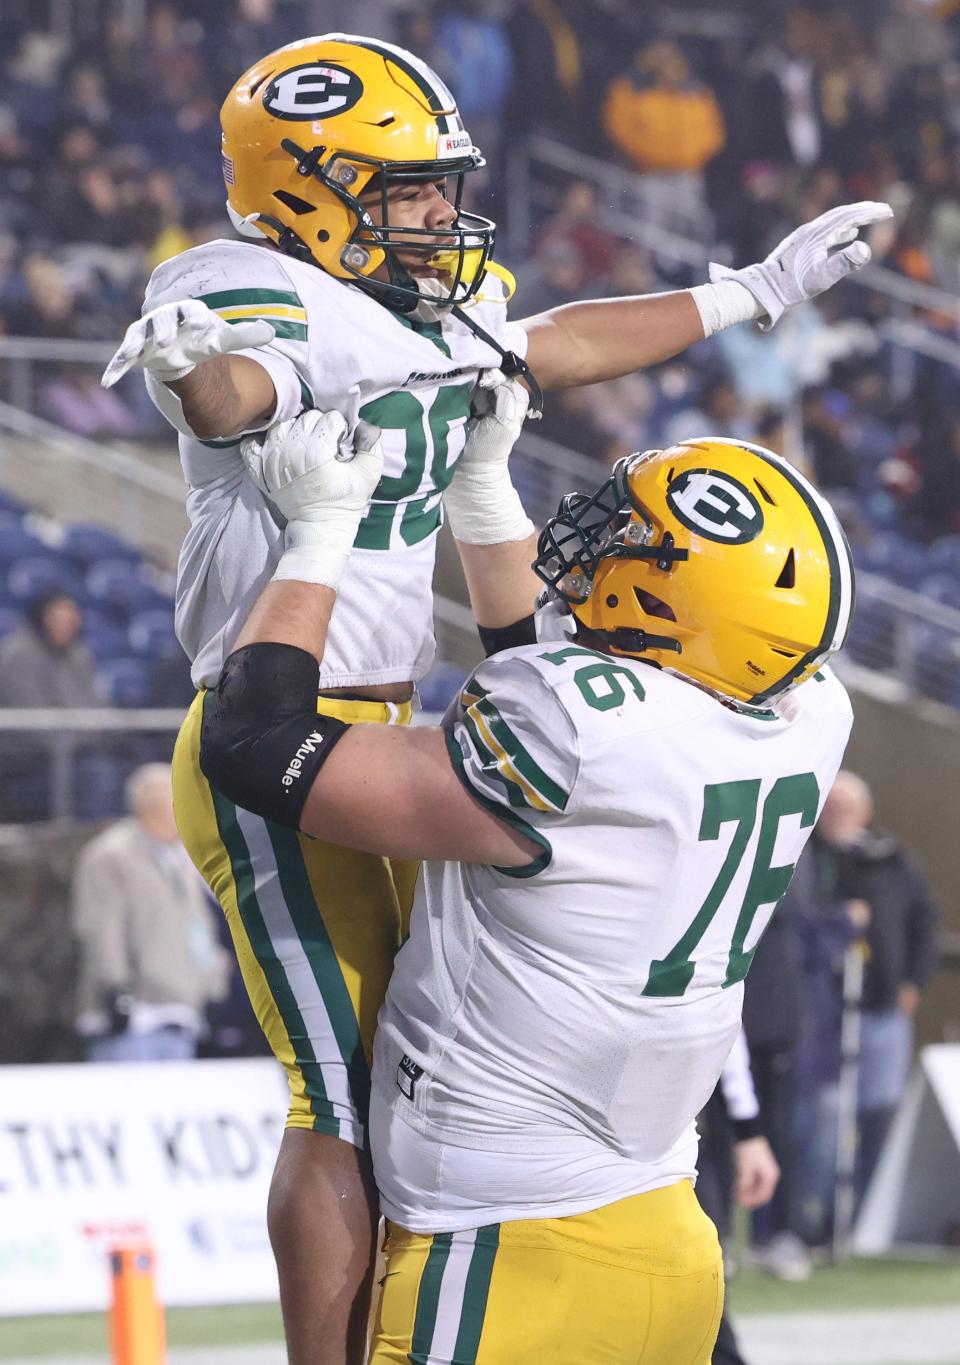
[175,338]
[481,503]
[322,482]
[813,258]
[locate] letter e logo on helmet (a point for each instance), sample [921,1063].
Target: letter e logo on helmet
[311,92]
[715,505]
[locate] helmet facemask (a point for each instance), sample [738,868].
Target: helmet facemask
[589,530]
[462,253]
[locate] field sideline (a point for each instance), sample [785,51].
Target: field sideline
[860,1313]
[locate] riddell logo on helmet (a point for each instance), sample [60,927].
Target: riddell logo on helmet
[715,505]
[451,144]
[311,92]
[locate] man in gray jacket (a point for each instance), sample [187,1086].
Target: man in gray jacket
[149,957]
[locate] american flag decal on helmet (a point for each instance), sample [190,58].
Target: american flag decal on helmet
[227,163]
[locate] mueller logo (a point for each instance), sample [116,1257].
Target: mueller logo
[309,746]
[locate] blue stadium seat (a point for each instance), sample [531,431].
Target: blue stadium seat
[10,619]
[872,638]
[936,671]
[17,543]
[942,587]
[36,573]
[151,633]
[87,544]
[894,556]
[8,503]
[126,681]
[440,686]
[943,555]
[105,639]
[119,587]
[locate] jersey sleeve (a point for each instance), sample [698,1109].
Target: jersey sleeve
[241,283]
[513,745]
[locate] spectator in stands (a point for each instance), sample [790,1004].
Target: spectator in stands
[873,869]
[852,882]
[665,123]
[575,227]
[42,663]
[149,959]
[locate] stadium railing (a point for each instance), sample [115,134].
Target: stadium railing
[639,209]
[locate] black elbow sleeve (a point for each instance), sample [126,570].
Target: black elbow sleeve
[262,742]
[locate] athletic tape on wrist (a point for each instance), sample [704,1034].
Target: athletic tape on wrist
[724,304]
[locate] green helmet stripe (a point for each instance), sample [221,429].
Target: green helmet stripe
[418,73]
[841,600]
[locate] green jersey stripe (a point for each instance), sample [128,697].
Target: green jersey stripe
[284,329]
[428,1299]
[525,763]
[256,930]
[491,765]
[476,1291]
[236,298]
[318,950]
[542,859]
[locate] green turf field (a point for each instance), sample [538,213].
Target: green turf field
[856,1285]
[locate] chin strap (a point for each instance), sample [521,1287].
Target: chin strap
[510,363]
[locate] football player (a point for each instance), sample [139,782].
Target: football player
[359,283]
[609,821]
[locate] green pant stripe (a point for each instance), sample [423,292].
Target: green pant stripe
[476,1291]
[237,298]
[428,1299]
[253,922]
[308,921]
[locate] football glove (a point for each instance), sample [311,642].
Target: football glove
[321,481]
[175,338]
[813,258]
[481,503]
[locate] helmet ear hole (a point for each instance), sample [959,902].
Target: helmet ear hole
[294,203]
[654,606]
[788,574]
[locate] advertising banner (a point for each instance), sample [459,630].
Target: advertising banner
[177,1154]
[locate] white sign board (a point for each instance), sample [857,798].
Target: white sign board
[177,1153]
[914,1196]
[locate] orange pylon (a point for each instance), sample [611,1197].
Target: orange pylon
[138,1333]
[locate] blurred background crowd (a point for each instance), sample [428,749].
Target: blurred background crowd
[627,145]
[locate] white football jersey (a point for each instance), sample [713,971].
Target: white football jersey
[550,1032]
[335,347]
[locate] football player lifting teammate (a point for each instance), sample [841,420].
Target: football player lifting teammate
[358,284]
[609,821]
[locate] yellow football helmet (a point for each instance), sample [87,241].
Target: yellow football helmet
[720,547]
[309,128]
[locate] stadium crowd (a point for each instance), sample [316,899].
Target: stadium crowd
[107,166]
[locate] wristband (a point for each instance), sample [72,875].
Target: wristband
[724,304]
[497,638]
